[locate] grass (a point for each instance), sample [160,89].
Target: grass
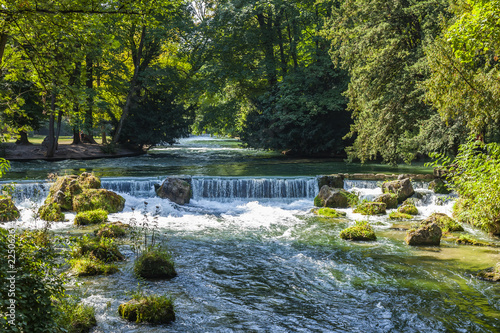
[74,317]
[110,231]
[361,231]
[399,216]
[86,266]
[152,309]
[329,212]
[91,217]
[63,140]
[103,249]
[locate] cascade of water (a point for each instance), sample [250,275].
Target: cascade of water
[138,187]
[211,188]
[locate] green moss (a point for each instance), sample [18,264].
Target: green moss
[318,202]
[110,231]
[89,267]
[51,212]
[8,212]
[151,309]
[370,208]
[89,180]
[98,199]
[446,223]
[91,217]
[361,231]
[329,212]
[104,249]
[408,208]
[155,263]
[399,216]
[469,240]
[490,274]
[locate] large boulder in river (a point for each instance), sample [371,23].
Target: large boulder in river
[427,234]
[445,222]
[390,200]
[334,198]
[65,188]
[177,190]
[401,187]
[335,181]
[93,199]
[8,212]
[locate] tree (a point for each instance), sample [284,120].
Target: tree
[381,45]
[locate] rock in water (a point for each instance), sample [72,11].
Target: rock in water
[177,190]
[390,200]
[335,181]
[429,234]
[402,188]
[333,197]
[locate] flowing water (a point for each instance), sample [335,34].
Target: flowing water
[250,256]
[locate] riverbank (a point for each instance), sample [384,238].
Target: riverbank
[24,153]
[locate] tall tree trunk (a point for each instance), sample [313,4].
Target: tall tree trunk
[58,132]
[75,81]
[136,56]
[277,24]
[89,122]
[3,42]
[51,148]
[23,138]
[291,37]
[267,35]
[76,136]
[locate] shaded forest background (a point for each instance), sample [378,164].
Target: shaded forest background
[371,80]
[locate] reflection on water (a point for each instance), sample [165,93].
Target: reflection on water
[203,156]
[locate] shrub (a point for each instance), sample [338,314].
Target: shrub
[360,231]
[74,317]
[473,175]
[91,217]
[8,212]
[155,263]
[151,309]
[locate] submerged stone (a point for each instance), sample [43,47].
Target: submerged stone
[490,274]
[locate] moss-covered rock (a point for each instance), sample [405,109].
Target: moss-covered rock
[98,199]
[469,240]
[8,211]
[112,230]
[335,198]
[490,274]
[408,208]
[65,188]
[104,249]
[81,319]
[361,231]
[446,223]
[390,200]
[155,264]
[86,266]
[429,234]
[335,181]
[91,217]
[51,212]
[399,216]
[150,309]
[402,188]
[439,186]
[370,208]
[177,190]
[329,212]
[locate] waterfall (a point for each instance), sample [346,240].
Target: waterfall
[137,187]
[254,188]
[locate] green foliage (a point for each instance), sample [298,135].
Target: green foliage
[4,166]
[152,309]
[155,263]
[103,249]
[74,317]
[329,212]
[51,212]
[8,212]
[37,281]
[361,231]
[381,46]
[91,217]
[474,176]
[446,223]
[89,266]
[399,216]
[108,148]
[370,208]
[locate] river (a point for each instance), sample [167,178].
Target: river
[250,256]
